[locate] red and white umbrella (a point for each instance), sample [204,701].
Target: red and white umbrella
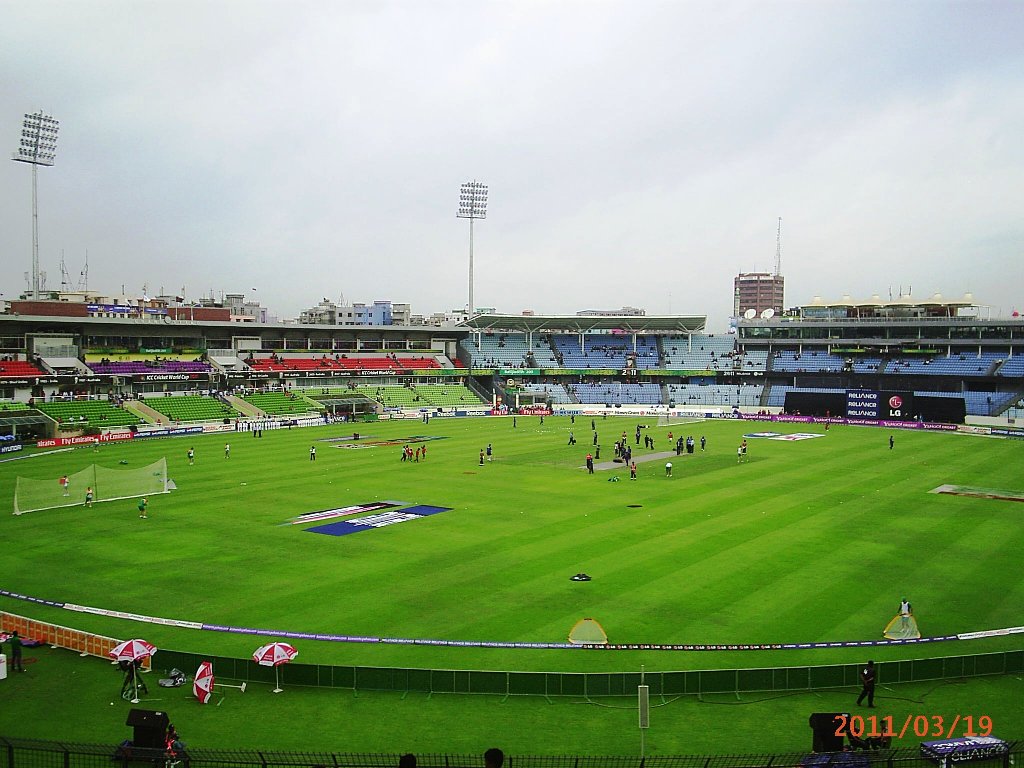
[132,650]
[202,686]
[274,655]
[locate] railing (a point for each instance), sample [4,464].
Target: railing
[28,753]
[598,684]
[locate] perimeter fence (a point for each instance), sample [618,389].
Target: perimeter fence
[27,753]
[586,684]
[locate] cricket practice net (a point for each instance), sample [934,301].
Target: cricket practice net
[107,484]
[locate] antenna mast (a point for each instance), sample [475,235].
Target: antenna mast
[778,249]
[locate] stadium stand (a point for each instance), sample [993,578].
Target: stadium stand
[543,353]
[554,393]
[503,350]
[751,361]
[14,406]
[1012,367]
[392,396]
[447,395]
[604,351]
[965,365]
[616,393]
[192,408]
[280,403]
[19,369]
[701,352]
[130,367]
[344,363]
[715,394]
[812,361]
[87,413]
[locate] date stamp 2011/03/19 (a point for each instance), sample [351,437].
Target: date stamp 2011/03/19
[918,726]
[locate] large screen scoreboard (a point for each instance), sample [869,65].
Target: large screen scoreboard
[878,404]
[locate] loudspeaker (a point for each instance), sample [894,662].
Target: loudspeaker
[825,725]
[150,728]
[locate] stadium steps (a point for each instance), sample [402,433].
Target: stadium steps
[666,398]
[143,411]
[1003,408]
[244,407]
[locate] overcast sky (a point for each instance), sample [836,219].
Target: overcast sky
[638,153]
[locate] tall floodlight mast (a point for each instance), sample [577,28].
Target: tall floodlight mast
[472,205]
[38,146]
[778,249]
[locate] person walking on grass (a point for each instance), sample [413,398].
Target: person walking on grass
[15,641]
[867,679]
[143,505]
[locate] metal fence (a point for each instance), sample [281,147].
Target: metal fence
[596,684]
[27,753]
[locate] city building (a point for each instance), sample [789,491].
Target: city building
[758,291]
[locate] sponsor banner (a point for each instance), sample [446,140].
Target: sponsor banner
[327,514]
[519,372]
[1014,433]
[763,434]
[11,448]
[785,418]
[169,376]
[132,616]
[535,410]
[796,436]
[35,381]
[679,372]
[124,309]
[30,599]
[197,429]
[990,633]
[109,437]
[580,371]
[251,375]
[210,428]
[498,644]
[7,438]
[973,430]
[965,750]
[862,404]
[381,520]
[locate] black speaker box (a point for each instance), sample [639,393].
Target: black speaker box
[150,728]
[825,725]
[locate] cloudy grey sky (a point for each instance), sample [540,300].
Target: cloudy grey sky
[637,152]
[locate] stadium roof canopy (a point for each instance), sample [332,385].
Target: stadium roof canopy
[587,323]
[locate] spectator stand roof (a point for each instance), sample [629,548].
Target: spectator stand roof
[681,324]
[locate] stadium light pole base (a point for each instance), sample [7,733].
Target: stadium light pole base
[278,690]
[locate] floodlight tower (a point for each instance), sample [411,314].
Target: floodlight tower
[38,146]
[778,249]
[472,205]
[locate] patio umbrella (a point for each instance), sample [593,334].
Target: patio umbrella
[132,650]
[274,655]
[202,686]
[131,653]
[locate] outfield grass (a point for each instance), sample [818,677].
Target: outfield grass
[815,540]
